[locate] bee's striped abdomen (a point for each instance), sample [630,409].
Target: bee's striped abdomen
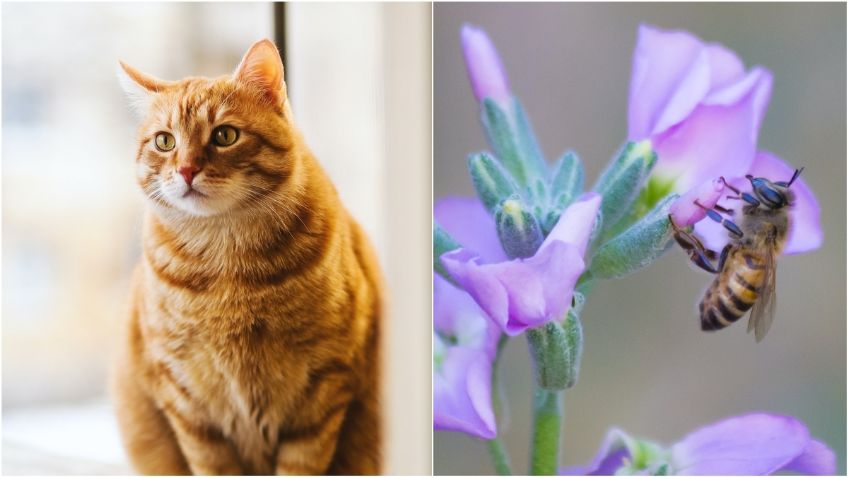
[733,292]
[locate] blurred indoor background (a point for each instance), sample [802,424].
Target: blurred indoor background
[359,80]
[647,367]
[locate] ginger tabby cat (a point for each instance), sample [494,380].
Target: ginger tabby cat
[252,345]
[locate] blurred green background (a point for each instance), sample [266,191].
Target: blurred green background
[647,366]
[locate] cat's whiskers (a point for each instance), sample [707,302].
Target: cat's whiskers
[254,200]
[279,199]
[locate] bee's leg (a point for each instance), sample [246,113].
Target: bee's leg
[728,224]
[727,184]
[747,198]
[739,195]
[698,254]
[724,252]
[723,210]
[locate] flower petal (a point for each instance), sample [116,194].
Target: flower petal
[610,457]
[576,223]
[725,67]
[752,444]
[462,393]
[485,71]
[805,230]
[670,77]
[520,294]
[467,221]
[817,459]
[457,314]
[716,139]
[685,212]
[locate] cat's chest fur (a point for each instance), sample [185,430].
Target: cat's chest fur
[230,351]
[238,373]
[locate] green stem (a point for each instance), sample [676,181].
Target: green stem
[547,422]
[500,459]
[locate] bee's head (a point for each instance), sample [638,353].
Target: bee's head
[773,195]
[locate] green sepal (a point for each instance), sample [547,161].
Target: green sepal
[556,350]
[644,457]
[518,230]
[528,145]
[623,178]
[638,246]
[568,180]
[512,140]
[655,189]
[566,185]
[442,244]
[491,181]
[537,194]
[578,301]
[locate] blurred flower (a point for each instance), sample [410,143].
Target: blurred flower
[751,444]
[465,345]
[485,71]
[522,293]
[697,105]
[805,228]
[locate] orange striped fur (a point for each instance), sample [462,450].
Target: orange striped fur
[252,345]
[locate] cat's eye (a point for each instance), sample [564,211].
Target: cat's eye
[165,141]
[225,135]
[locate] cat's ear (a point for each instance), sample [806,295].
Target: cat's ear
[138,86]
[262,69]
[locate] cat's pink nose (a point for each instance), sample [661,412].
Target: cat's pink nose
[188,173]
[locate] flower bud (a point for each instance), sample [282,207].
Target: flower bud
[491,181]
[566,185]
[556,350]
[685,212]
[623,178]
[518,230]
[485,71]
[568,180]
[638,246]
[512,140]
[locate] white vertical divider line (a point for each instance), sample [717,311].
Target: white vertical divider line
[409,187]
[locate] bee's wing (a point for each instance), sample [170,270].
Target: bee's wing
[762,313]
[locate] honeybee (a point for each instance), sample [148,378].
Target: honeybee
[745,274]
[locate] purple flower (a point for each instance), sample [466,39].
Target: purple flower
[465,345]
[697,105]
[485,71]
[702,113]
[751,444]
[522,293]
[805,230]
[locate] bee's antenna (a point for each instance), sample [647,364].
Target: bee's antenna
[795,176]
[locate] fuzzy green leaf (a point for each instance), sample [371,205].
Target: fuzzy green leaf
[491,181]
[638,246]
[623,178]
[512,140]
[568,180]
